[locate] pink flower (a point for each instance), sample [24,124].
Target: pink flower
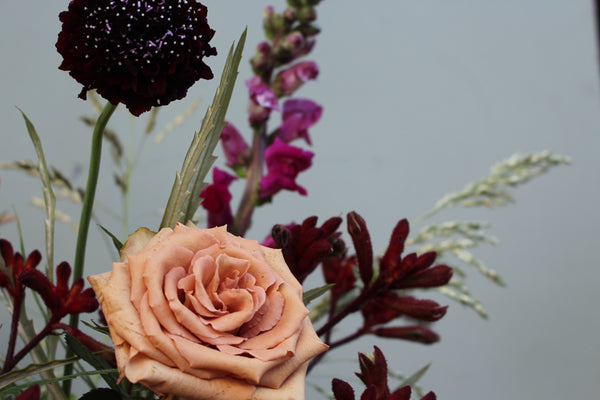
[234,146]
[262,101]
[299,115]
[203,314]
[284,163]
[217,199]
[291,79]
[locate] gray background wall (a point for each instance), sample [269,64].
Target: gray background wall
[420,98]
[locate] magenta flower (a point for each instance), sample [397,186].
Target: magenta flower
[137,52]
[284,163]
[217,199]
[298,115]
[262,101]
[234,146]
[291,79]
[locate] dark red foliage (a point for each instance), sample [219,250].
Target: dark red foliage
[60,299]
[374,374]
[305,246]
[137,52]
[31,393]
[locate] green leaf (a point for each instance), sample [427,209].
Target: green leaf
[94,360]
[18,388]
[13,376]
[414,378]
[189,182]
[312,294]
[116,242]
[49,198]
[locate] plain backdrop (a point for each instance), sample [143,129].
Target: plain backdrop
[419,99]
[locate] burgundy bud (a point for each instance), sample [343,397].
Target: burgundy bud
[373,372]
[430,277]
[401,394]
[37,281]
[357,228]
[6,250]
[31,393]
[391,259]
[425,310]
[342,390]
[416,333]
[280,235]
[63,273]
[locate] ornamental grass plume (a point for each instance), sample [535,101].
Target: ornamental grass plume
[140,53]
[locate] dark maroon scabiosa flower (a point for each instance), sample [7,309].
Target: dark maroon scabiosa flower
[141,53]
[217,199]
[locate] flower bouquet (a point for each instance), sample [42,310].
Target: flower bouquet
[193,307]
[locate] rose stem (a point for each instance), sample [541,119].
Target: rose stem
[86,215]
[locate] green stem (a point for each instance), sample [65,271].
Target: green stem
[86,214]
[243,217]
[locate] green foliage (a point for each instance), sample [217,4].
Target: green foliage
[189,182]
[458,238]
[315,293]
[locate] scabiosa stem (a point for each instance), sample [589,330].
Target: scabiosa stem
[86,214]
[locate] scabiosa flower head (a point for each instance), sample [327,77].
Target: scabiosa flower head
[217,199]
[141,53]
[298,115]
[284,163]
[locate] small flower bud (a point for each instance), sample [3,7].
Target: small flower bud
[273,23]
[262,60]
[291,79]
[307,14]
[357,228]
[417,333]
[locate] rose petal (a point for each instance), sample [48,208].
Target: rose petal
[112,289]
[185,386]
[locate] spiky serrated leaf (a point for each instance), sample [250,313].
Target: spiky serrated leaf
[315,293]
[49,198]
[184,199]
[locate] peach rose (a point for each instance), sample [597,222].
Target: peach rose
[203,314]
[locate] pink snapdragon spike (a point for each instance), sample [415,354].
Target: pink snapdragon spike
[298,115]
[289,80]
[374,374]
[284,163]
[217,199]
[262,101]
[235,147]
